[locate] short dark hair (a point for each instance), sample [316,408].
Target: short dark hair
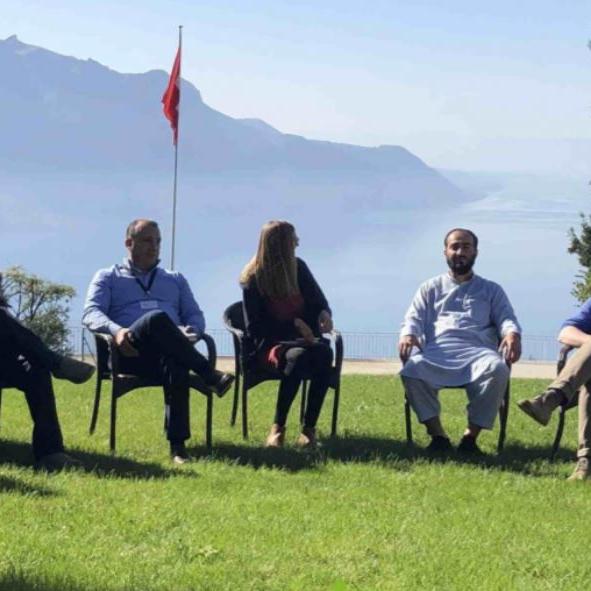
[474,237]
[132,232]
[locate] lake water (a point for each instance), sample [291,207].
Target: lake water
[368,262]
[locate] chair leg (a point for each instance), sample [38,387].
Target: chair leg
[244,409]
[208,423]
[0,400]
[503,417]
[166,414]
[112,440]
[304,401]
[407,419]
[236,397]
[559,430]
[335,409]
[95,407]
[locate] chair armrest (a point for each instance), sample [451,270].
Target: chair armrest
[105,345]
[211,349]
[239,334]
[339,350]
[246,348]
[562,357]
[113,350]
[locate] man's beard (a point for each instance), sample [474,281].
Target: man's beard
[460,268]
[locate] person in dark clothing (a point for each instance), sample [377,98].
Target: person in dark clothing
[27,364]
[286,314]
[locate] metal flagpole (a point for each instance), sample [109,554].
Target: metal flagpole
[176,153]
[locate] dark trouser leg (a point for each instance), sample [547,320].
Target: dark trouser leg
[320,364]
[300,363]
[14,336]
[175,380]
[288,388]
[176,399]
[155,334]
[35,382]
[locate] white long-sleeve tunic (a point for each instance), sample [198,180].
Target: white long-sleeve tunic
[459,325]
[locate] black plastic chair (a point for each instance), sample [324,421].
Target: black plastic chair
[503,416]
[562,357]
[249,374]
[108,360]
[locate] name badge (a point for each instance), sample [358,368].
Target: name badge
[149,305]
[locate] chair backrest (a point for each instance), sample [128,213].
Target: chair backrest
[234,317]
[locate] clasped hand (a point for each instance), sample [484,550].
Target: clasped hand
[510,347]
[324,324]
[405,346]
[190,333]
[124,342]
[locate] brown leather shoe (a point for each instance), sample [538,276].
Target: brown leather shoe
[276,437]
[541,407]
[307,438]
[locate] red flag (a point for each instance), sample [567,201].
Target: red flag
[172,97]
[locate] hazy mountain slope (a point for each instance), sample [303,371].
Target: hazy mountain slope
[61,113]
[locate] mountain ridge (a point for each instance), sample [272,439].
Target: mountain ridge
[66,113]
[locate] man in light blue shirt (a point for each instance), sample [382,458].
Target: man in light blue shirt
[154,319]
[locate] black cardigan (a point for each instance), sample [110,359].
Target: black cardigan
[265,330]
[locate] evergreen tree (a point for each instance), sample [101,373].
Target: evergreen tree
[580,244]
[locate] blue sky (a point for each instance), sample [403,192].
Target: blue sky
[466,85]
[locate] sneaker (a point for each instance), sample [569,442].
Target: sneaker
[222,383]
[541,407]
[439,444]
[276,437]
[581,471]
[468,446]
[307,438]
[179,454]
[73,370]
[57,462]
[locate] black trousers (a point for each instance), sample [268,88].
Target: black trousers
[25,363]
[15,336]
[165,354]
[298,363]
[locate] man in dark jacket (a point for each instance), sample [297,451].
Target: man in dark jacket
[27,364]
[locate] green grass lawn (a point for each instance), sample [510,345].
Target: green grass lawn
[365,513]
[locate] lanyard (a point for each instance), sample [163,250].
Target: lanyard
[146,288]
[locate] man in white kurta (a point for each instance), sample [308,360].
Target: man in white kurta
[454,324]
